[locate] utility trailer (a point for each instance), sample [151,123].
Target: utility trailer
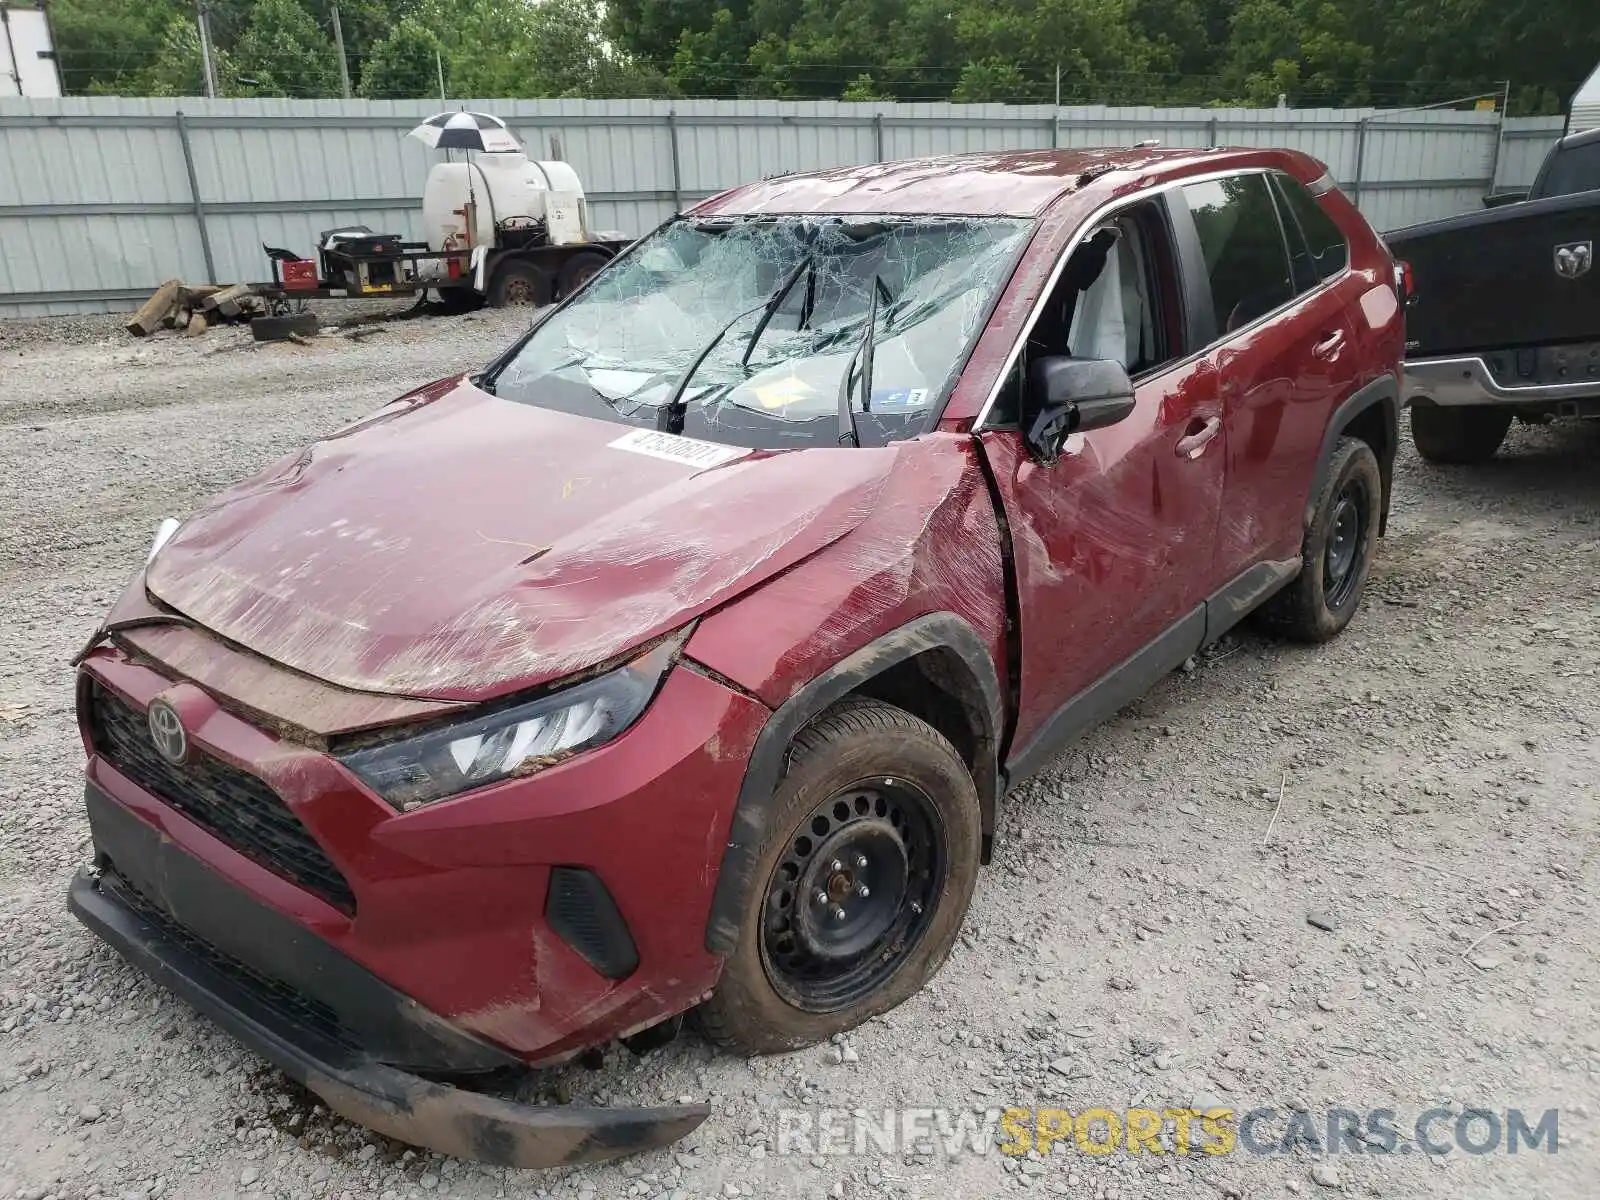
[498,227]
[355,263]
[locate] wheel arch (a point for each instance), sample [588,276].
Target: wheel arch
[935,667]
[1372,414]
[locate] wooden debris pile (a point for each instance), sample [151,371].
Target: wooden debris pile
[195,308]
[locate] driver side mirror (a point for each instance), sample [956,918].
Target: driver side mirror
[1072,395]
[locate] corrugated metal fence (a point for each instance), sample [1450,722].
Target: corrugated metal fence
[102,198]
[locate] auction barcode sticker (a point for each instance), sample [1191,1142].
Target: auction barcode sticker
[676,448]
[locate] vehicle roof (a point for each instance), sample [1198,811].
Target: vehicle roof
[1021,183]
[1582,138]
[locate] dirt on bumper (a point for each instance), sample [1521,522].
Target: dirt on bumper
[405,1106]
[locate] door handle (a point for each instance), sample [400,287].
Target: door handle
[1194,443]
[1329,345]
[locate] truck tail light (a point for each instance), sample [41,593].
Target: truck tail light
[1404,285]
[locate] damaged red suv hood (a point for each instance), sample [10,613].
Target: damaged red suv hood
[471,546]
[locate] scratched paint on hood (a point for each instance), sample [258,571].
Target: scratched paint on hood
[472,547]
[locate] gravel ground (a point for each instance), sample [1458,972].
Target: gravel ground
[1425,786]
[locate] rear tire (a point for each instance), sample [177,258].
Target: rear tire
[1456,434]
[1336,554]
[872,795]
[577,271]
[516,282]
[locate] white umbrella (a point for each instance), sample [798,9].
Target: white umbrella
[466,131]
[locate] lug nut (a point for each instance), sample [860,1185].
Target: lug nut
[836,865]
[838,914]
[863,891]
[820,896]
[861,862]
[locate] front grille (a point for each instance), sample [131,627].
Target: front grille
[293,1005]
[233,804]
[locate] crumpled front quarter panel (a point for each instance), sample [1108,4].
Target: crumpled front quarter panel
[931,544]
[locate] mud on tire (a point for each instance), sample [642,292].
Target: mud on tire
[877,818]
[1336,554]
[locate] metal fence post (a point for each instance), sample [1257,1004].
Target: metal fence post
[1361,159]
[1211,133]
[677,168]
[194,196]
[877,135]
[1499,138]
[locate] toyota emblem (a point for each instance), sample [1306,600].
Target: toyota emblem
[167,732]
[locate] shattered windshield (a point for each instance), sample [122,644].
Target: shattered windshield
[742,329]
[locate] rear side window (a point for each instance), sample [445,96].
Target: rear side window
[1317,249]
[1242,242]
[1575,169]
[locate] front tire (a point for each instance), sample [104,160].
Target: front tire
[861,883]
[1458,434]
[1336,554]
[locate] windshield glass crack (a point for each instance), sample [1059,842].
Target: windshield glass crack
[742,329]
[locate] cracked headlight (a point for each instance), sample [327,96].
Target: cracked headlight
[517,740]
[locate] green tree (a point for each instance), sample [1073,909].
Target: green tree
[712,61]
[1385,52]
[366,23]
[862,88]
[179,66]
[989,82]
[105,46]
[283,52]
[403,66]
[1305,50]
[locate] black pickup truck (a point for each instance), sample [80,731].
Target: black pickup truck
[1504,317]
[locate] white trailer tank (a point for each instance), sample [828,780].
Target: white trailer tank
[502,186]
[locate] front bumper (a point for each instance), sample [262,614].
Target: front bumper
[1467,380]
[457,905]
[127,899]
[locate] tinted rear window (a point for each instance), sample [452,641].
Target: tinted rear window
[1243,246]
[1316,247]
[1575,169]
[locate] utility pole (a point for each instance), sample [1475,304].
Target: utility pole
[1055,114]
[338,41]
[202,10]
[438,64]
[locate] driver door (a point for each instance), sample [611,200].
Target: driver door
[1114,542]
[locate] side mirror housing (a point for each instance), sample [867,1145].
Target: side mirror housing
[1501,199]
[1072,395]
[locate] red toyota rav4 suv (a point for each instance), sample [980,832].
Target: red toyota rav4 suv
[680,658]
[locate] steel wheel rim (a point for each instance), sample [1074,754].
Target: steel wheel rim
[519,292]
[1347,533]
[874,851]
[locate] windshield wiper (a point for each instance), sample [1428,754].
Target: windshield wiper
[774,303]
[849,433]
[670,419]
